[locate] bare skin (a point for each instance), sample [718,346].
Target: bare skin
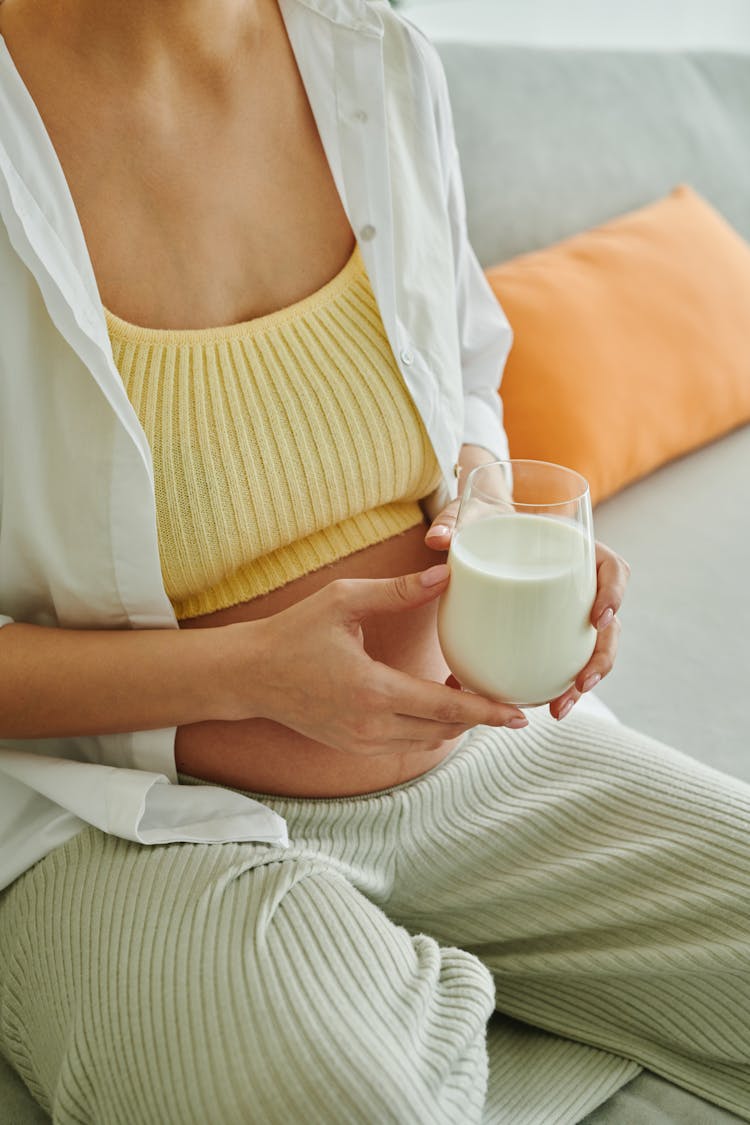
[184,164]
[156,99]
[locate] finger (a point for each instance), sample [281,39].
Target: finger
[354,599]
[429,731]
[565,703]
[426,699]
[441,530]
[603,657]
[599,666]
[612,573]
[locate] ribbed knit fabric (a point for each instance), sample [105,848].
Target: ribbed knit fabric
[279,445]
[578,877]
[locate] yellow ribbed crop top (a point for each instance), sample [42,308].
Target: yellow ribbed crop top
[279,445]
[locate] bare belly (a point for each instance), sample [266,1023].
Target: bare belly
[266,757]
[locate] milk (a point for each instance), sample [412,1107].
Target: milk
[514,621]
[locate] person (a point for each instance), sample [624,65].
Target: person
[263,859]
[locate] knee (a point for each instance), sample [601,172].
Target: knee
[285,996]
[377,1024]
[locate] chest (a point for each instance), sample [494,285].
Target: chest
[199,208]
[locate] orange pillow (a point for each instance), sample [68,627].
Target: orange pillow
[632,341]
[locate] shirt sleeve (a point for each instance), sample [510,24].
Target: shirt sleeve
[141,806]
[484,331]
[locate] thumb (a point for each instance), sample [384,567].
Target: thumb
[441,530]
[392,595]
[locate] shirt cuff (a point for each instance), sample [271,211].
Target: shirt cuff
[145,807]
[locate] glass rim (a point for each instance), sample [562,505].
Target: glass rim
[527,461]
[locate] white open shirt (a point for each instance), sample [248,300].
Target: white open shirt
[78,536]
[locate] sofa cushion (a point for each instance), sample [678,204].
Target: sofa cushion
[555,141]
[630,342]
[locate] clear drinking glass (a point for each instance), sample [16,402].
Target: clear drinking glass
[514,622]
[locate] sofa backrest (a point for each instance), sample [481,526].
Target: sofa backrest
[553,141]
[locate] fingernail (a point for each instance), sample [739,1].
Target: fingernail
[605,618]
[516,724]
[435,575]
[591,681]
[438,531]
[565,709]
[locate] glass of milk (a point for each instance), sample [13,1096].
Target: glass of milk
[514,623]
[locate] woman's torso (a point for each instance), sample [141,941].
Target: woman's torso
[244,196]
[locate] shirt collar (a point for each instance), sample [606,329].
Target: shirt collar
[357,15]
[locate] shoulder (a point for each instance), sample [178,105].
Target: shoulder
[413,63]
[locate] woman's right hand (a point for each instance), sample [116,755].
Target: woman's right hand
[317,678]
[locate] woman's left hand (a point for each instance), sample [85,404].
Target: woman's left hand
[612,573]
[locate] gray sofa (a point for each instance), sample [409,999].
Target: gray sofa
[553,141]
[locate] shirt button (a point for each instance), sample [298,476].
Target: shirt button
[407,357]
[367,233]
[457,470]
[360,116]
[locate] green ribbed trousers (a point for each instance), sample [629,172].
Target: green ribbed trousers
[586,884]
